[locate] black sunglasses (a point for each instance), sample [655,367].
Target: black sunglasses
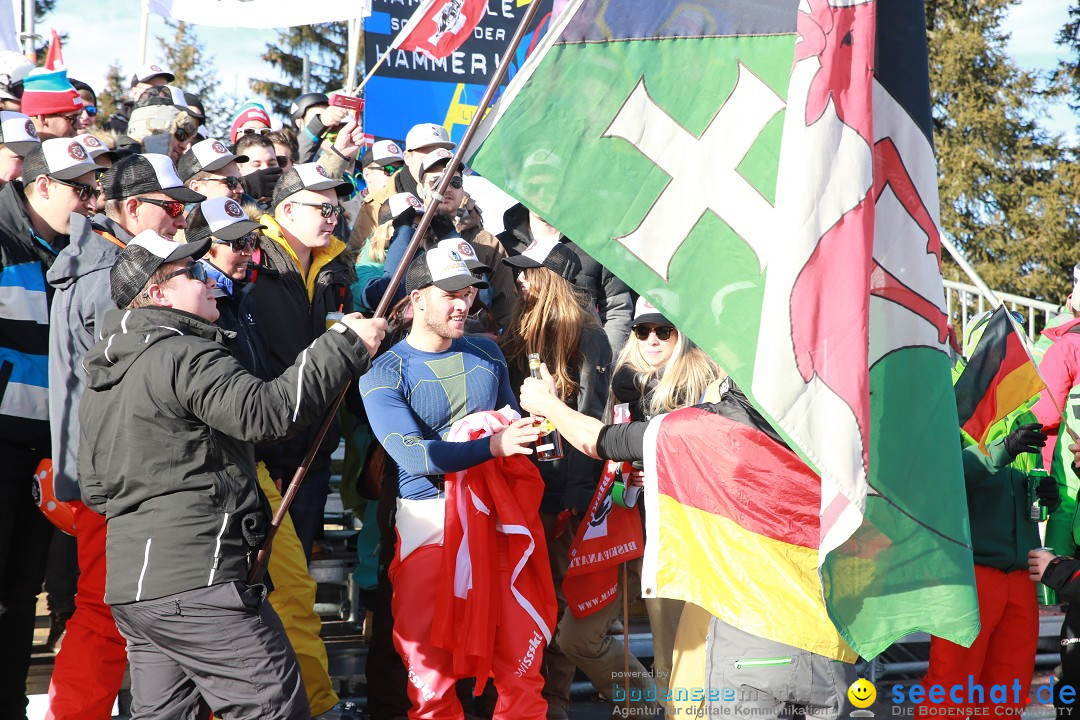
[283,160]
[181,134]
[230,182]
[84,191]
[173,208]
[247,243]
[663,332]
[325,209]
[195,271]
[455,182]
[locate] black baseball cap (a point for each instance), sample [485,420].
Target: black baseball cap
[143,174]
[550,254]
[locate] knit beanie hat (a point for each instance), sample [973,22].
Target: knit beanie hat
[48,92]
[248,111]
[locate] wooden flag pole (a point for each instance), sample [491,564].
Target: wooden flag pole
[374,67]
[396,278]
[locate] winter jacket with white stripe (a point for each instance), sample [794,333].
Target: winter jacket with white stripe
[165,450]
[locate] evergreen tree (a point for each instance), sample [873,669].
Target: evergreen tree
[1068,73]
[325,45]
[115,92]
[185,54]
[1008,188]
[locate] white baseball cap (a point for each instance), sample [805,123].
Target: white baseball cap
[427,135]
[141,258]
[384,152]
[94,147]
[150,70]
[548,253]
[208,155]
[17,131]
[466,251]
[220,217]
[146,173]
[445,269]
[61,158]
[400,202]
[435,157]
[306,176]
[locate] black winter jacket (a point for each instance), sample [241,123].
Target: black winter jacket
[165,453]
[571,481]
[290,321]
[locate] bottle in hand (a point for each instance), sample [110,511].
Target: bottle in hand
[549,445]
[1036,510]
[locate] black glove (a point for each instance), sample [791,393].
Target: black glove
[260,184]
[253,527]
[1025,439]
[1048,493]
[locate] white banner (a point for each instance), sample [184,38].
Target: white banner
[256,13]
[9,30]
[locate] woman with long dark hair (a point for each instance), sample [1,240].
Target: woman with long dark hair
[556,320]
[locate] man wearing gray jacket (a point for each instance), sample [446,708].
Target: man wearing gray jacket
[168,422]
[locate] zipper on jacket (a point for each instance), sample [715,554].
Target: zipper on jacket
[763,662]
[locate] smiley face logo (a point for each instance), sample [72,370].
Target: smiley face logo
[862,693]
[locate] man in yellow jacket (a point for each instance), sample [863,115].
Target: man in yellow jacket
[301,279]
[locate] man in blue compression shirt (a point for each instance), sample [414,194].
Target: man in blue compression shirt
[413,395]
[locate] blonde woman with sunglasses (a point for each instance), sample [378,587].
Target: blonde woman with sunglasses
[660,370]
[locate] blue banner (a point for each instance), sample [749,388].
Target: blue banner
[410,88]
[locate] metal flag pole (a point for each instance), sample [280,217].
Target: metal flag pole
[396,278]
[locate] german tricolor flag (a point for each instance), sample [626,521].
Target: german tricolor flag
[733,525]
[999,377]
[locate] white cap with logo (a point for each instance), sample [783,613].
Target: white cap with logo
[427,135]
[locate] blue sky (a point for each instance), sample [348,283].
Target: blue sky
[110,33]
[104,32]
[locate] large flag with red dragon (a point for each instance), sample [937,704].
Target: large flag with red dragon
[763,172]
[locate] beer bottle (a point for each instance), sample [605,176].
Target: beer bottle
[549,445]
[1036,510]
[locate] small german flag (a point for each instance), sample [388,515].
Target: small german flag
[1000,376]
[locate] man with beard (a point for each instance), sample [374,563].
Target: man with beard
[414,394]
[421,140]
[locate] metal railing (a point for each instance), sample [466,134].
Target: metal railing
[962,302]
